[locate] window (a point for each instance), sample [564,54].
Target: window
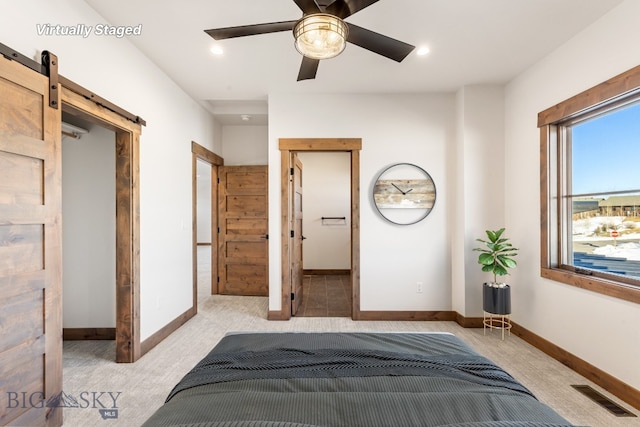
[590,188]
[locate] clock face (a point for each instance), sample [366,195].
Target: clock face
[404,193]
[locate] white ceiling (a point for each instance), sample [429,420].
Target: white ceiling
[471,42]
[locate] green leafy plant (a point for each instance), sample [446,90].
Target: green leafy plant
[497,254]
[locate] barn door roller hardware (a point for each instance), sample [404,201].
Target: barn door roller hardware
[50,66]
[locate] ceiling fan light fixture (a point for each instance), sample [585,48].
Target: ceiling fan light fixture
[320,36]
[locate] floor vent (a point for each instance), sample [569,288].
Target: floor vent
[603,401]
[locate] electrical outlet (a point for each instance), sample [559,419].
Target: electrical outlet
[419,287]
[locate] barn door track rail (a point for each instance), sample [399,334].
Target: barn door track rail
[49,68]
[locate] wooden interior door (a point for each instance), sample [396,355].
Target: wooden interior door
[243,253]
[30,249]
[297,276]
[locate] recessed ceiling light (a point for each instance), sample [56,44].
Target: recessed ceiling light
[424,50]
[217,50]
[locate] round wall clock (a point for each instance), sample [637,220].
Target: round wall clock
[404,193]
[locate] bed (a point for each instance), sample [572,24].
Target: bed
[349,379]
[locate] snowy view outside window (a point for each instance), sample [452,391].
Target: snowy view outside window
[603,192]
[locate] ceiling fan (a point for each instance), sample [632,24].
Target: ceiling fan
[321,33]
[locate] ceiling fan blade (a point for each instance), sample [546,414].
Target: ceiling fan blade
[378,43]
[308,6]
[308,68]
[250,30]
[346,8]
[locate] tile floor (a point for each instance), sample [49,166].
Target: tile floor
[326,296]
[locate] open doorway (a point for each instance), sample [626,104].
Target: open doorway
[326,224]
[289,149]
[126,154]
[89,233]
[205,222]
[204,233]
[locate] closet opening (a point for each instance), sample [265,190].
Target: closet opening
[89,233]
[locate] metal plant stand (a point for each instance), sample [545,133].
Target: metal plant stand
[496,303]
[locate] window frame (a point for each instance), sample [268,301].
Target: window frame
[619,89]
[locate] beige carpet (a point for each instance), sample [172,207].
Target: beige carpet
[143,386]
[89,367]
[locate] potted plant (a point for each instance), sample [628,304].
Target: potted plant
[496,256]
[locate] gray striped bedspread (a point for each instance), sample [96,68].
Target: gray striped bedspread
[350,379]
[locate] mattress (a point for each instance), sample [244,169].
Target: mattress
[349,379]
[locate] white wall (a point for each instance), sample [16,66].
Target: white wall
[393,128]
[89,230]
[326,184]
[245,145]
[599,329]
[478,200]
[114,69]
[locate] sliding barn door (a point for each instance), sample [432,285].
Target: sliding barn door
[243,242]
[30,250]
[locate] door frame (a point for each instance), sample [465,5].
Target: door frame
[198,152]
[128,345]
[287,147]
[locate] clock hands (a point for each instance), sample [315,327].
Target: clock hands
[398,188]
[403,192]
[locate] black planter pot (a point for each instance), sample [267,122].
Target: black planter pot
[496,300]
